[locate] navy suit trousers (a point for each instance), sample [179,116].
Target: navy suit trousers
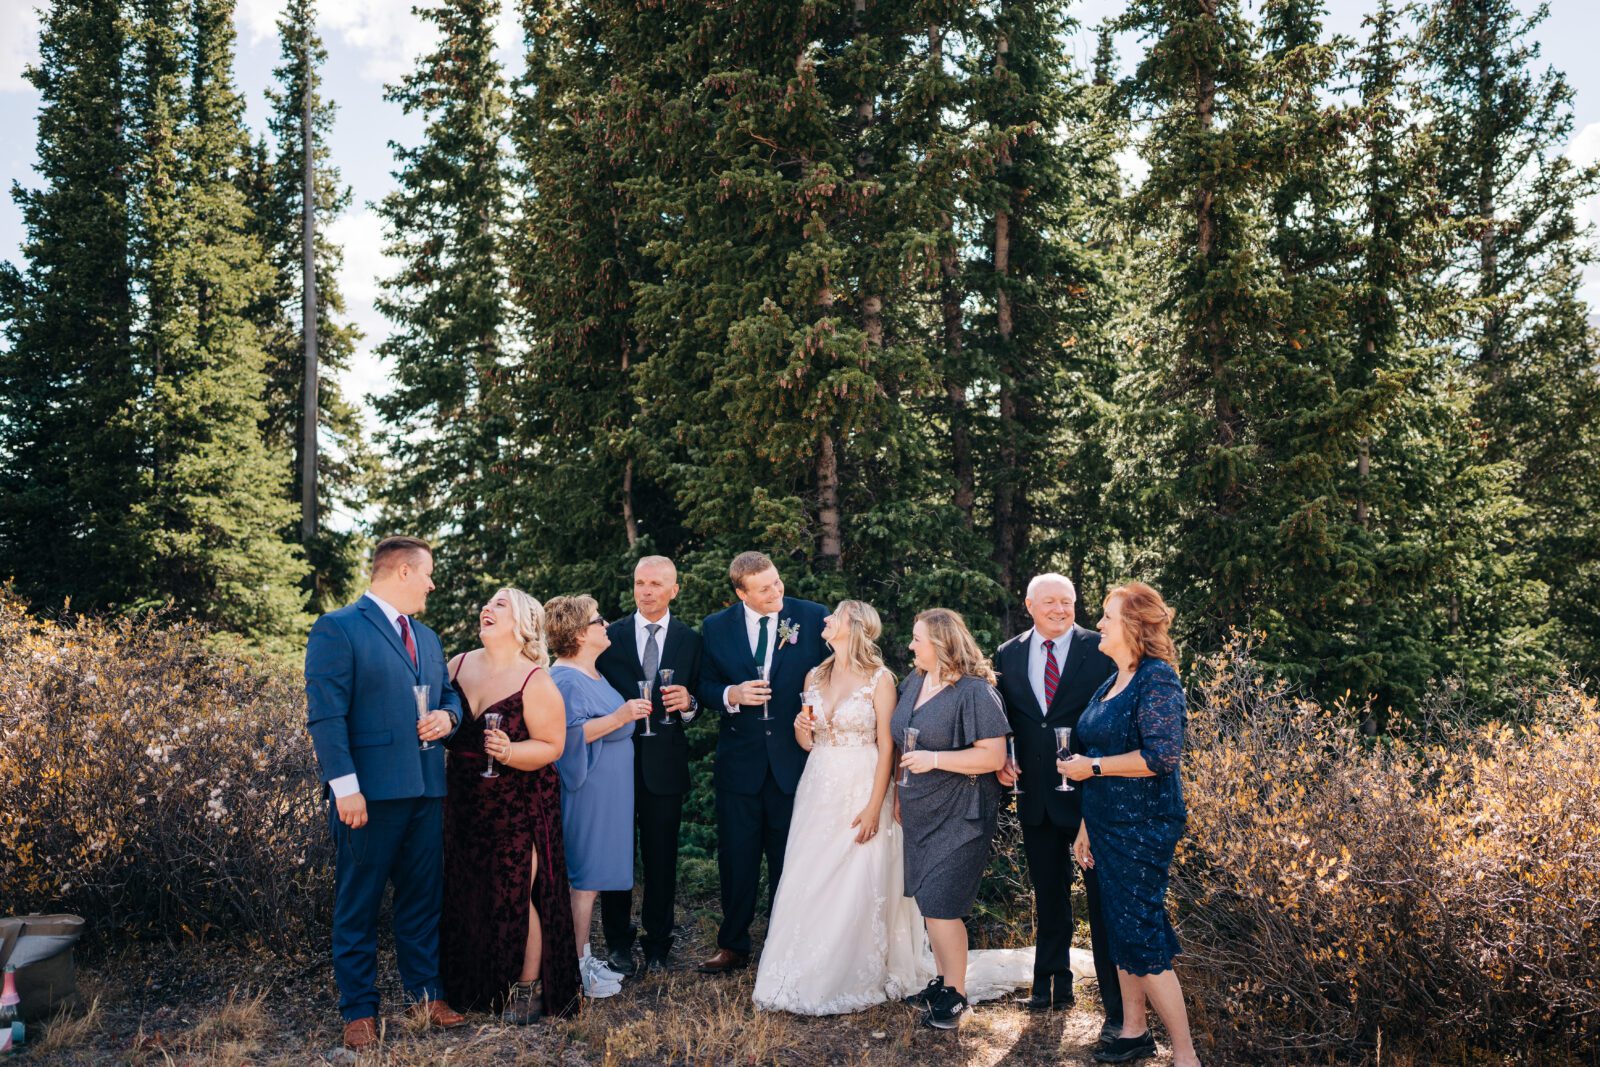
[402,843]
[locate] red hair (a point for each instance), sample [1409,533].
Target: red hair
[1146,619]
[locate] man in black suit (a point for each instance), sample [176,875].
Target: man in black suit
[765,635]
[642,645]
[1047,676]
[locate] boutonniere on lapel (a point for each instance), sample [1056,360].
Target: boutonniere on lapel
[788,632]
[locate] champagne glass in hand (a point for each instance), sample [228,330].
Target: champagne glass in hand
[766,705]
[1013,767]
[664,679]
[424,696]
[911,746]
[491,721]
[644,694]
[1064,751]
[811,700]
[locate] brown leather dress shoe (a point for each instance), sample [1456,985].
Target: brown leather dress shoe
[360,1034]
[437,1012]
[725,961]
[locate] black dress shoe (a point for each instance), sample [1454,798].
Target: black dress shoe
[1042,1000]
[657,964]
[1109,1032]
[1127,1049]
[621,961]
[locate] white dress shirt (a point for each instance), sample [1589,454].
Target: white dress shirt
[752,629]
[1036,663]
[641,637]
[348,784]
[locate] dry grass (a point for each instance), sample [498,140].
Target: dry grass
[68,1030]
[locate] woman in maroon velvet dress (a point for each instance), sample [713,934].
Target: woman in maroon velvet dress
[505,871]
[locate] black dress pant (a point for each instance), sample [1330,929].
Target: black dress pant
[657,820]
[747,828]
[1050,866]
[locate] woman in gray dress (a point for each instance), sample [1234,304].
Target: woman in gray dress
[596,771]
[951,807]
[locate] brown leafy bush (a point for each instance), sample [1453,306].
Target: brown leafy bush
[1336,892]
[155,782]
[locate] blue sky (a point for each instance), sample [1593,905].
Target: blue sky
[372,42]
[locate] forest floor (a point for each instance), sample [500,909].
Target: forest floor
[198,1004]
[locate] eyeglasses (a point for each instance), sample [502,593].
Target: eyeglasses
[597,621]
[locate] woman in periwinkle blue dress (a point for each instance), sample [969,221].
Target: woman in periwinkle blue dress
[596,771]
[1133,815]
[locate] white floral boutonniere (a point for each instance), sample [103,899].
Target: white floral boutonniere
[788,632]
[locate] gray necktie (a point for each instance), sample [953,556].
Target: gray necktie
[652,654]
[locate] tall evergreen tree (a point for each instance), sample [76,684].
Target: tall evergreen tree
[1518,256]
[347,469]
[68,462]
[213,512]
[448,417]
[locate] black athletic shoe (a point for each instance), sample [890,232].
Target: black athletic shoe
[925,998]
[947,1009]
[1127,1049]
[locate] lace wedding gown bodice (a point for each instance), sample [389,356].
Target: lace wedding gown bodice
[843,935]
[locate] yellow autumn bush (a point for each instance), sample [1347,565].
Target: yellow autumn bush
[1436,888]
[155,782]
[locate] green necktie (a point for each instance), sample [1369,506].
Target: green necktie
[761,643]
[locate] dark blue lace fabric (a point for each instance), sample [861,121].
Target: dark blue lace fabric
[1135,823]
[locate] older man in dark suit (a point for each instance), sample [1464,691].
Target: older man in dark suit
[1047,676]
[644,644]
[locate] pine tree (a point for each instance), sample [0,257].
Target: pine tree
[347,469]
[214,508]
[449,418]
[1518,255]
[68,473]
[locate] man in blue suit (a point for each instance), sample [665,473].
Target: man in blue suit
[758,761]
[386,791]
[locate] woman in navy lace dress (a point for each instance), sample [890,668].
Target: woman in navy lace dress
[1133,814]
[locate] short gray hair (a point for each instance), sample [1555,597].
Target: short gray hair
[1052,578]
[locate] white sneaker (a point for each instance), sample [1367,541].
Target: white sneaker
[601,967]
[595,985]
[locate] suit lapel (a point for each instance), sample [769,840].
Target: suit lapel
[1076,650]
[670,642]
[623,631]
[376,616]
[740,637]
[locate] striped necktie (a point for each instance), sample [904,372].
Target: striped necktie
[1052,675]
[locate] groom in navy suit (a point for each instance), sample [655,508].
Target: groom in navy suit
[758,761]
[386,792]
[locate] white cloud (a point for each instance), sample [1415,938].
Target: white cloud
[19,44]
[361,235]
[1133,167]
[257,20]
[1585,150]
[384,33]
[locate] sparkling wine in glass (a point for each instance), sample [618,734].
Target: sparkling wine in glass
[424,696]
[911,746]
[811,700]
[491,721]
[1064,751]
[1013,766]
[664,679]
[644,694]
[766,707]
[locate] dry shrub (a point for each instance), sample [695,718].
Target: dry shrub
[154,782]
[68,1030]
[1335,891]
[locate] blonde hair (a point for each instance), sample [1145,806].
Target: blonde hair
[527,619]
[954,646]
[860,652]
[565,619]
[1146,620]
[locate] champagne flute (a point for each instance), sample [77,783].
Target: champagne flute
[1013,766]
[912,733]
[644,694]
[491,721]
[1064,751]
[664,679]
[424,697]
[766,706]
[812,701]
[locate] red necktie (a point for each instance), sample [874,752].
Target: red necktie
[1052,675]
[411,644]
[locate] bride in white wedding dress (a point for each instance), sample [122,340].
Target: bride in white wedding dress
[844,936]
